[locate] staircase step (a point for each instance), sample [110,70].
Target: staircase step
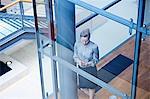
[8,22]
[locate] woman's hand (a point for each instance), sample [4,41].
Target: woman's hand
[84,63]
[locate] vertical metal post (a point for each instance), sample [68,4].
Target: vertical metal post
[21,12]
[140,21]
[146,17]
[65,21]
[54,72]
[51,34]
[40,47]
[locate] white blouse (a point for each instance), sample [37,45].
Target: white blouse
[88,53]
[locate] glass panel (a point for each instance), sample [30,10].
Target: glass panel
[46,63]
[6,29]
[119,65]
[13,9]
[143,88]
[99,28]
[42,18]
[8,19]
[27,81]
[28,9]
[115,44]
[44,39]
[116,80]
[116,48]
[114,68]
[47,73]
[82,13]
[24,77]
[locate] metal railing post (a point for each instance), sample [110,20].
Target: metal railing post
[140,21]
[21,12]
[39,47]
[51,35]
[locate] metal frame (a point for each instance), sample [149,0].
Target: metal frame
[21,12]
[110,16]
[51,35]
[39,47]
[65,23]
[140,22]
[139,30]
[94,15]
[138,27]
[90,77]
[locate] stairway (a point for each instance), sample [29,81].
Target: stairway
[10,23]
[14,29]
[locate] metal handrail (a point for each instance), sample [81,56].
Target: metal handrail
[14,3]
[111,16]
[10,5]
[26,17]
[91,16]
[13,16]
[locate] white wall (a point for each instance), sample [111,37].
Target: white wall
[27,87]
[111,34]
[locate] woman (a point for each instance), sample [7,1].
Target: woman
[86,55]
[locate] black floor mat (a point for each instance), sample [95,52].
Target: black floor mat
[113,69]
